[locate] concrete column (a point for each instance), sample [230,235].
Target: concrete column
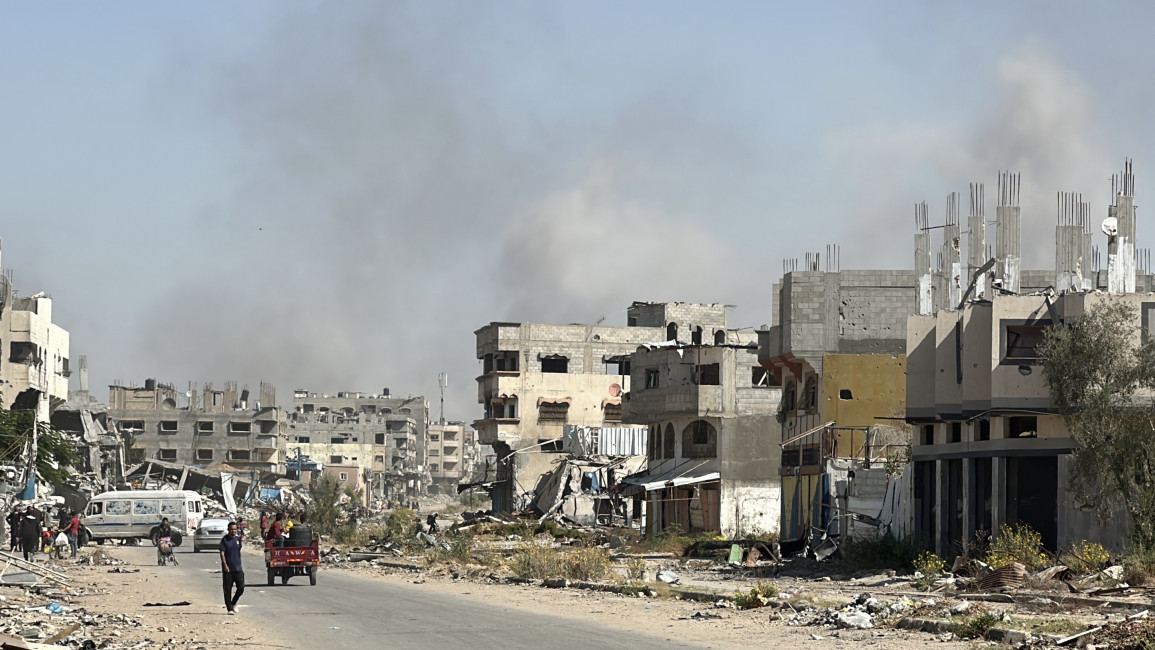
[942,508]
[1062,499]
[998,494]
[968,496]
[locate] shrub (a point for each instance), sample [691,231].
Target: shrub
[635,568]
[587,563]
[1139,567]
[535,561]
[975,627]
[930,568]
[1019,543]
[1086,557]
[756,597]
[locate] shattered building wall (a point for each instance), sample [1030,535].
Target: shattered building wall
[212,428]
[536,378]
[713,443]
[34,365]
[385,436]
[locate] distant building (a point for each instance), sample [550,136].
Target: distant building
[713,443]
[383,435]
[213,428]
[536,378]
[451,454]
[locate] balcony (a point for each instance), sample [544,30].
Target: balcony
[498,382]
[642,406]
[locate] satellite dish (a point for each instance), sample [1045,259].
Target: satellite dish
[1110,226]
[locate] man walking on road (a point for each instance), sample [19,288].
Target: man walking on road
[231,568]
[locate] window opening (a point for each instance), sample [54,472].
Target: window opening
[1023,426]
[558,364]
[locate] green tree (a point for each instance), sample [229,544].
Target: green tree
[1100,369]
[55,453]
[323,514]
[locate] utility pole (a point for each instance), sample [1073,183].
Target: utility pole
[442,382]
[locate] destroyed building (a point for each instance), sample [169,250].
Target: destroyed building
[536,378]
[713,445]
[85,418]
[201,427]
[34,366]
[451,454]
[384,436]
[990,448]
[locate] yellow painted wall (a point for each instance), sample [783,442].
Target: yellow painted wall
[877,384]
[799,495]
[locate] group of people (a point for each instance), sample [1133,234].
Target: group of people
[277,531]
[31,532]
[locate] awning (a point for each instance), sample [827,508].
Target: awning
[554,400]
[673,478]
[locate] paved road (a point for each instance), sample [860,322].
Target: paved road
[344,611]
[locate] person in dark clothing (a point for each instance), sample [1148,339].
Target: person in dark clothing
[14,518]
[29,534]
[231,570]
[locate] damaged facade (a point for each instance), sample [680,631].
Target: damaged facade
[34,365]
[990,448]
[212,428]
[537,378]
[382,436]
[713,445]
[838,351]
[452,452]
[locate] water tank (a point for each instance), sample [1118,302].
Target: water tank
[150,384]
[384,392]
[300,535]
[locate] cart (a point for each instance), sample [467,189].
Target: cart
[289,561]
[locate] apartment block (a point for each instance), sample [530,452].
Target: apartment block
[200,427]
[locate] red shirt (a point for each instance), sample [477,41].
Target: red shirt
[74,526]
[274,531]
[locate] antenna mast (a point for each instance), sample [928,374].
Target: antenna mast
[442,382]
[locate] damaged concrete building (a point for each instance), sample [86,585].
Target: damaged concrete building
[383,436]
[536,378]
[85,418]
[990,448]
[200,427]
[34,365]
[451,452]
[713,446]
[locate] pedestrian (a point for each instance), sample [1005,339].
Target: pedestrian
[74,533]
[29,534]
[13,519]
[231,571]
[264,523]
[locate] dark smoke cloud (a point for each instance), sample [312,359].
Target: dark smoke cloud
[389,207]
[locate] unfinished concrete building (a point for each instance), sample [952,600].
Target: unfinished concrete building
[450,455]
[536,378]
[34,366]
[383,435]
[990,448]
[713,447]
[202,427]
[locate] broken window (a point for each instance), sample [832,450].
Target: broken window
[379,438]
[1022,342]
[612,413]
[136,455]
[167,454]
[242,428]
[552,412]
[984,429]
[618,366]
[928,434]
[699,440]
[268,426]
[336,441]
[759,377]
[720,337]
[708,375]
[555,363]
[672,332]
[308,408]
[696,336]
[653,379]
[204,454]
[240,454]
[303,439]
[434,437]
[552,444]
[487,364]
[23,352]
[810,393]
[1023,426]
[668,442]
[956,431]
[168,426]
[845,394]
[790,397]
[131,425]
[336,460]
[433,467]
[204,426]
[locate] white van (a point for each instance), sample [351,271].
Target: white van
[135,514]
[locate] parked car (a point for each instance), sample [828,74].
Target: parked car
[208,535]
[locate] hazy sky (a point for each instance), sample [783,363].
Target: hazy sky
[335,196]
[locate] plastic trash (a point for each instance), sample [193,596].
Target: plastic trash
[54,608]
